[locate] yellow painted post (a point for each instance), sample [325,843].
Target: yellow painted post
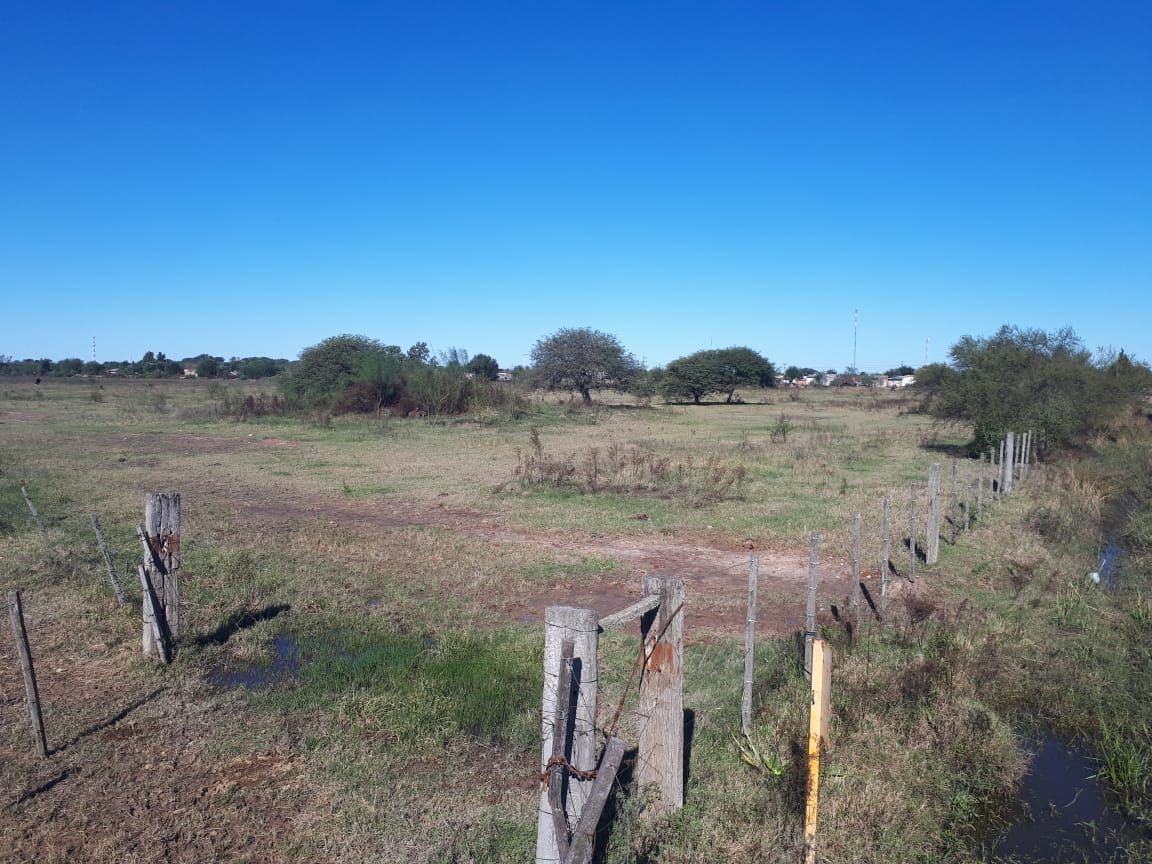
[817,738]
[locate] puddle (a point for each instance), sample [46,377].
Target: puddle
[1065,817]
[284,666]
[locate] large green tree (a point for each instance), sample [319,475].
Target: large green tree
[581,359]
[716,371]
[326,369]
[1031,379]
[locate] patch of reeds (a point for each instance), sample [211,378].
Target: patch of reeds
[631,470]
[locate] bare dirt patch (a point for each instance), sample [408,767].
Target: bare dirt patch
[716,576]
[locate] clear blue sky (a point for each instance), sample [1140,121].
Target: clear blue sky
[244,178]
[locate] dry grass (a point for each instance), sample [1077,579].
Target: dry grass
[358,531]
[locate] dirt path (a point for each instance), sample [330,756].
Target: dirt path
[716,577]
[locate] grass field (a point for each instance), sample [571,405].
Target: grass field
[359,677]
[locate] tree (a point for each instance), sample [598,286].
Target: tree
[716,371]
[583,360]
[327,368]
[483,366]
[419,352]
[209,367]
[1030,379]
[793,373]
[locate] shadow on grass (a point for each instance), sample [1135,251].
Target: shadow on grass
[111,721]
[238,621]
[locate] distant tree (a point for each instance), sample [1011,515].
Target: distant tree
[93,368]
[209,367]
[900,372]
[716,371]
[419,352]
[483,366]
[793,373]
[70,366]
[582,360]
[327,368]
[456,358]
[148,357]
[257,367]
[1031,379]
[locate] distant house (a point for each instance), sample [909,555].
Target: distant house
[897,381]
[503,376]
[190,373]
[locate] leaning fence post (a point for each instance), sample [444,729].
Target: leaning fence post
[660,762]
[107,561]
[582,627]
[584,834]
[749,647]
[20,634]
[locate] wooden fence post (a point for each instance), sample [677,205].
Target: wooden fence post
[563,623]
[107,561]
[660,763]
[810,614]
[998,473]
[968,499]
[749,647]
[932,551]
[1009,461]
[884,552]
[980,491]
[20,634]
[160,536]
[856,570]
[955,501]
[584,835]
[912,534]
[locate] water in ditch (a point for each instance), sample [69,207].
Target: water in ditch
[1064,815]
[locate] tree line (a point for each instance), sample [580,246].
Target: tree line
[154,364]
[1014,380]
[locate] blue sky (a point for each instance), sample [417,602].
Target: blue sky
[249,178]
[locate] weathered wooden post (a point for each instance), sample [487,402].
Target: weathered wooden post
[980,491]
[912,535]
[20,634]
[856,570]
[932,551]
[955,501]
[884,551]
[1009,461]
[584,834]
[660,763]
[107,561]
[810,613]
[998,473]
[749,647]
[160,536]
[581,628]
[967,499]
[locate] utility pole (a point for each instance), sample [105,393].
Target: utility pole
[855,328]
